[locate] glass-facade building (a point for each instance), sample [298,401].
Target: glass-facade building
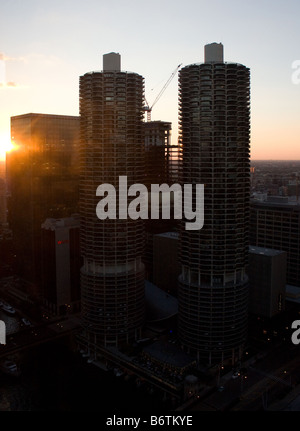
[42,181]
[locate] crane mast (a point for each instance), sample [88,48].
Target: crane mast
[148,108]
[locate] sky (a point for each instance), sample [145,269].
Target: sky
[45,46]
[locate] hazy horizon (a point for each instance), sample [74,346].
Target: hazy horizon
[46,46]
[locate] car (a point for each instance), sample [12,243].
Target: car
[235,375]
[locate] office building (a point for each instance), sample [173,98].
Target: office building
[61,264]
[42,181]
[157,145]
[267,280]
[160,168]
[214,119]
[275,223]
[112,275]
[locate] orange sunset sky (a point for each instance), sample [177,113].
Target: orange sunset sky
[45,46]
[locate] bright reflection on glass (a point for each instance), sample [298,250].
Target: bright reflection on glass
[6,145]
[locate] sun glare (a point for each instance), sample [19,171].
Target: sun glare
[6,145]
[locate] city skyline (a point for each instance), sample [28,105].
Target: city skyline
[110,299]
[43,54]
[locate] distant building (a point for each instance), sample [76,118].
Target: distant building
[267,278]
[275,224]
[157,144]
[159,169]
[293,188]
[153,228]
[61,262]
[42,181]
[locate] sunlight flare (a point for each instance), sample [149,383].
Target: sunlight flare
[6,145]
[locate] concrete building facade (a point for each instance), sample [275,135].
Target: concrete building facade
[214,119]
[112,275]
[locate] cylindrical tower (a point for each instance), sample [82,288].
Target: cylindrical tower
[214,151]
[112,276]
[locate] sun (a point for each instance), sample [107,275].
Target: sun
[6,145]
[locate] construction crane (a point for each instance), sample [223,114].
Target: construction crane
[148,108]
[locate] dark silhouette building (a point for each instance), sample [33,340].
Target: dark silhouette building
[166,268]
[112,145]
[275,224]
[157,148]
[267,279]
[159,169]
[42,181]
[214,118]
[61,263]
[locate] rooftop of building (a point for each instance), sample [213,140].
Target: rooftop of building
[169,353]
[264,251]
[54,223]
[172,235]
[276,201]
[33,114]
[292,293]
[215,63]
[112,71]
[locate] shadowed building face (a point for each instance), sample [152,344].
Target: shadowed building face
[112,276]
[214,139]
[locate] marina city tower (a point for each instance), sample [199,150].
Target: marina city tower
[214,121]
[112,276]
